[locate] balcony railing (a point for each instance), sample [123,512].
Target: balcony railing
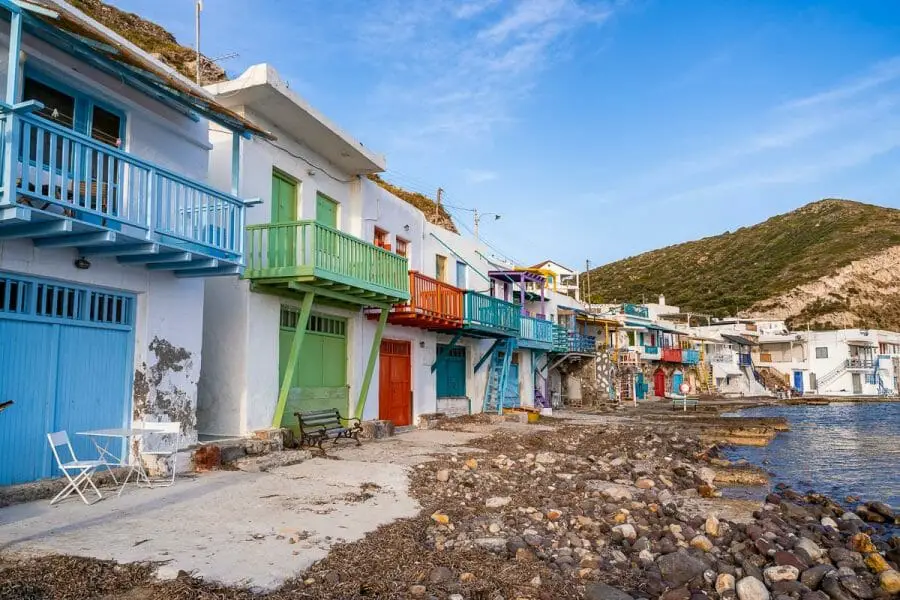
[635,310]
[857,362]
[671,355]
[650,352]
[690,357]
[491,314]
[721,357]
[565,340]
[560,339]
[309,250]
[104,187]
[431,303]
[744,360]
[535,333]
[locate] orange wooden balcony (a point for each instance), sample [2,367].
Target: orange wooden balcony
[432,304]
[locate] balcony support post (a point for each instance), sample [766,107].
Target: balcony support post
[10,144]
[370,366]
[293,358]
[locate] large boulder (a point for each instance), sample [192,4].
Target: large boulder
[751,588]
[601,591]
[679,568]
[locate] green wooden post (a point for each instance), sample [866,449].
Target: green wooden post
[293,357]
[370,367]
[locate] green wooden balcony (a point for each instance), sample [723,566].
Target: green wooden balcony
[535,333]
[307,256]
[489,316]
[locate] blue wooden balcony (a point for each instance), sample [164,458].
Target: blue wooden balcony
[489,316]
[650,352]
[690,357]
[635,310]
[567,341]
[65,189]
[745,360]
[535,333]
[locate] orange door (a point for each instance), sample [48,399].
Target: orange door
[394,383]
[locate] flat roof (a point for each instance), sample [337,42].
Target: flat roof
[262,89]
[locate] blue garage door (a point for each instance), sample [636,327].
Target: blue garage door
[65,362]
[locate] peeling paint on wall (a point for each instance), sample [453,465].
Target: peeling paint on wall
[166,390]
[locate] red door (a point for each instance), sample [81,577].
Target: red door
[394,379]
[659,383]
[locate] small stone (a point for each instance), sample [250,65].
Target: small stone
[890,581]
[812,549]
[442,475]
[553,514]
[417,591]
[781,573]
[681,593]
[862,543]
[707,491]
[724,582]
[545,458]
[627,531]
[494,544]
[882,509]
[536,582]
[706,475]
[644,483]
[467,577]
[678,568]
[441,518]
[166,573]
[602,591]
[856,586]
[646,557]
[497,501]
[494,528]
[786,558]
[472,463]
[751,588]
[876,562]
[812,578]
[455,597]
[712,525]
[440,575]
[829,522]
[701,542]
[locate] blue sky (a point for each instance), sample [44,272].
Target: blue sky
[598,130]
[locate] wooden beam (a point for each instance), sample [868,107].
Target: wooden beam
[441,355]
[487,354]
[351,299]
[210,272]
[293,358]
[122,250]
[96,238]
[159,257]
[370,366]
[209,263]
[30,230]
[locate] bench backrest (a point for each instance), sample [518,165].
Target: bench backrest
[326,418]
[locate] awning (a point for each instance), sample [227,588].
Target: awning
[739,340]
[725,370]
[862,342]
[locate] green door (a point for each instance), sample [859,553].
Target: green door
[326,211]
[282,241]
[451,372]
[320,379]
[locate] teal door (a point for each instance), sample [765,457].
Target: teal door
[639,387]
[66,363]
[451,372]
[677,380]
[511,392]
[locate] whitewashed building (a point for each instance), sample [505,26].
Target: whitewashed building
[108,227]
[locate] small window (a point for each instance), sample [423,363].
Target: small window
[440,267]
[461,274]
[822,352]
[382,238]
[59,107]
[402,247]
[106,127]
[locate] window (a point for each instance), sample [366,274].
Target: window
[75,111]
[440,267]
[822,352]
[461,274]
[382,238]
[402,247]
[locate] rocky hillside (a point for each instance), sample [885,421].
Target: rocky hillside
[829,264]
[434,214]
[152,39]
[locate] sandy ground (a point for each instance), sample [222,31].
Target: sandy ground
[256,529]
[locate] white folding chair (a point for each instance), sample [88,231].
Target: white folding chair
[83,469]
[170,432]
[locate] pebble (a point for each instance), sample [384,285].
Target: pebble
[417,591]
[712,525]
[644,483]
[781,573]
[443,475]
[627,531]
[751,588]
[545,458]
[701,542]
[812,549]
[724,582]
[602,591]
[829,522]
[472,464]
[497,501]
[890,581]
[876,562]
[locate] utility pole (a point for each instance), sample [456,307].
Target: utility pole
[587,275]
[478,218]
[197,32]
[437,208]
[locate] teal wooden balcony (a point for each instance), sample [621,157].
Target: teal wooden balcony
[690,357]
[567,341]
[535,333]
[650,352]
[303,256]
[489,316]
[65,189]
[636,310]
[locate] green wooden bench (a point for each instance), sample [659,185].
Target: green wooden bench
[684,403]
[316,426]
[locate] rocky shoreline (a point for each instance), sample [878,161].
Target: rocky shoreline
[602,510]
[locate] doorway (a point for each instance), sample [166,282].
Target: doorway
[394,383]
[659,383]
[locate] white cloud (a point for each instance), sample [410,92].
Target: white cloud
[479,175]
[450,71]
